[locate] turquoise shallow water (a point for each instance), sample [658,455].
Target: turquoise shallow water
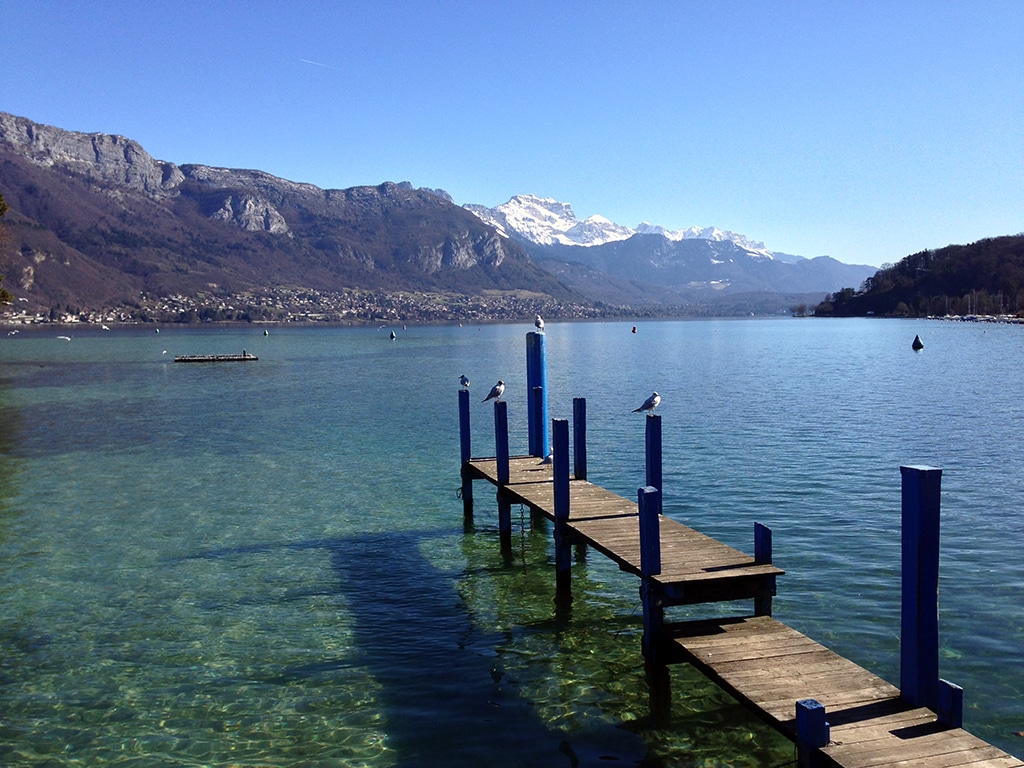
[266,563]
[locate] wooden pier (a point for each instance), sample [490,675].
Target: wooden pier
[836,712]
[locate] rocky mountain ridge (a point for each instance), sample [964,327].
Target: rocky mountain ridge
[95,219]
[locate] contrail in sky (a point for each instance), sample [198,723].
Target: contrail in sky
[318,64]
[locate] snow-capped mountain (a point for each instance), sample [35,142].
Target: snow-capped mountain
[651,264]
[545,221]
[705,233]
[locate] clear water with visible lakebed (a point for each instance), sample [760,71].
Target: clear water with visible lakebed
[265,564]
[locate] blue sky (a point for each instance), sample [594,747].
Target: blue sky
[862,130]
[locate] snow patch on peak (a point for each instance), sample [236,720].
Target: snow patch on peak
[705,233]
[546,221]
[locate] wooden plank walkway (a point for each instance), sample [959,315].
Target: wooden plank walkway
[696,569]
[769,666]
[763,663]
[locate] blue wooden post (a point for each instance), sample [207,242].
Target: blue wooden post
[950,707]
[464,445]
[649,505]
[538,404]
[579,454]
[537,376]
[579,437]
[654,620]
[812,731]
[560,467]
[504,522]
[919,636]
[763,556]
[501,440]
[652,441]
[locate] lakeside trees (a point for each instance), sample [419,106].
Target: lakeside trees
[983,278]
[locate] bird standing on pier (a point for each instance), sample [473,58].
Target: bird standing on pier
[496,391]
[649,404]
[539,322]
[464,381]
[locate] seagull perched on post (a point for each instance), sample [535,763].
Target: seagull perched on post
[464,381]
[496,391]
[539,322]
[649,404]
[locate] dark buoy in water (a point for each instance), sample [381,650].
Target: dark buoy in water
[394,335]
[266,332]
[918,345]
[634,329]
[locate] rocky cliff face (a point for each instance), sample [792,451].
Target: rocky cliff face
[119,220]
[100,157]
[251,214]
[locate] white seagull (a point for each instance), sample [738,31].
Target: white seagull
[649,404]
[464,381]
[539,322]
[496,391]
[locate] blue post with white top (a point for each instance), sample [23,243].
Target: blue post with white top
[466,453]
[537,404]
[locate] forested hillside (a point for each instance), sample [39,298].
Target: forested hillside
[983,278]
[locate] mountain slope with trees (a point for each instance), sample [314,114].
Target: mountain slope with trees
[95,220]
[982,278]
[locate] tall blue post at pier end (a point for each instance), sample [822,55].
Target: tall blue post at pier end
[652,443]
[537,402]
[919,636]
[652,453]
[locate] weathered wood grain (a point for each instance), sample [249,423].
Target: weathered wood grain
[769,667]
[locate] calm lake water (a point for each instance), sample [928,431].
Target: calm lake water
[265,564]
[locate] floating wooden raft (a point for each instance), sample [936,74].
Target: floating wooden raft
[244,357]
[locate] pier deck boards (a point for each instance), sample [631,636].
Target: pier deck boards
[768,666]
[765,664]
[691,562]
